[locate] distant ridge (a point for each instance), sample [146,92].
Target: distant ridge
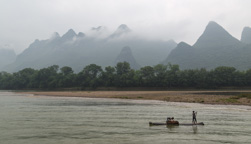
[215,47]
[80,50]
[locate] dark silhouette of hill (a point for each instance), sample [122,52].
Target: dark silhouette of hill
[246,35]
[215,47]
[127,56]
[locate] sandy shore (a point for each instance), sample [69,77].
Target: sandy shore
[207,97]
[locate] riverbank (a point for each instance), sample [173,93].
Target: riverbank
[226,97]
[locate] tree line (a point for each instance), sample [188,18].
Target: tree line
[121,75]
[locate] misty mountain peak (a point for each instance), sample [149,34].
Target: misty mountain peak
[69,35]
[215,36]
[97,28]
[127,56]
[180,55]
[80,34]
[214,29]
[122,29]
[183,45]
[55,35]
[213,24]
[36,41]
[246,35]
[126,49]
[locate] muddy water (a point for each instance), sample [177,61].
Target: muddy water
[25,119]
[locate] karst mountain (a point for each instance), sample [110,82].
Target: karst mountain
[215,47]
[79,50]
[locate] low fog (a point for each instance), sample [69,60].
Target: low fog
[25,21]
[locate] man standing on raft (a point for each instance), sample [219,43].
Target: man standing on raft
[194,117]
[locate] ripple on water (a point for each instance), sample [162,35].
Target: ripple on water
[86,120]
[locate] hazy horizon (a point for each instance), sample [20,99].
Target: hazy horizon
[183,20]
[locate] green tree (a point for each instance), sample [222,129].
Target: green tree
[124,75]
[66,77]
[89,76]
[240,79]
[147,76]
[122,68]
[160,73]
[66,70]
[248,77]
[186,78]
[46,77]
[108,76]
[22,79]
[223,76]
[172,75]
[6,80]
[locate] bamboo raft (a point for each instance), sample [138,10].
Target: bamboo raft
[175,123]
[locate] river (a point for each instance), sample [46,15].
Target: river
[25,119]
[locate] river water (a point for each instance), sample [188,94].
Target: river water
[25,119]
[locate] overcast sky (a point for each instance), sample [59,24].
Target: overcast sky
[23,21]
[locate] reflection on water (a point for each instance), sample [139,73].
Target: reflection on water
[52,120]
[195,129]
[171,127]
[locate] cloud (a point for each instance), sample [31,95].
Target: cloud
[100,32]
[24,21]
